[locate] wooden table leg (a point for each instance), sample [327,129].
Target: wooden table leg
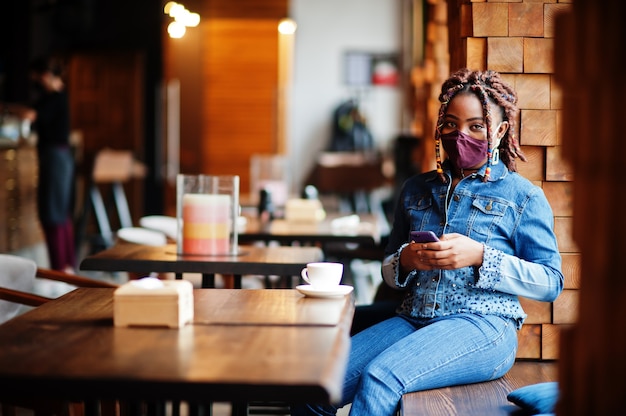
[232,281]
[204,409]
[208,280]
[239,409]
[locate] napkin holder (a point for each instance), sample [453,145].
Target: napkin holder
[304,210]
[153,302]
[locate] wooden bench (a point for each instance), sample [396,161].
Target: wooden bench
[480,399]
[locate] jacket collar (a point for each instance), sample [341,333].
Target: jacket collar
[498,172]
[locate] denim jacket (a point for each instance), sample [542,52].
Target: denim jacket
[509,215]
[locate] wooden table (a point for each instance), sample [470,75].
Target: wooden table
[338,243]
[266,261]
[368,231]
[244,345]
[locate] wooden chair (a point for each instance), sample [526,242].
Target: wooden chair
[111,170]
[479,399]
[17,280]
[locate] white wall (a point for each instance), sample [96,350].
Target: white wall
[326,30]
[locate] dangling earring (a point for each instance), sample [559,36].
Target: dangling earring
[495,156]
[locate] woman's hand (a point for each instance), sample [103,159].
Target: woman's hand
[452,251]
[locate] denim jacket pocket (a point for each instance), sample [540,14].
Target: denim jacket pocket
[490,206]
[489,214]
[420,210]
[419,202]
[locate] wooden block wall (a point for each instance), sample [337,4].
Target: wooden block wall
[516,38]
[428,75]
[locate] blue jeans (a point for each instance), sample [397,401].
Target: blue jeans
[402,355]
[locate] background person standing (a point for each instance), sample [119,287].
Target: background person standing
[56,162]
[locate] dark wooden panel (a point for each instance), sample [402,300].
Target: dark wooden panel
[106,91]
[106,104]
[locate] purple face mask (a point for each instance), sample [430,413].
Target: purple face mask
[463,151]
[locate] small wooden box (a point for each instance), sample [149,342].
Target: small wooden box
[304,210]
[153,303]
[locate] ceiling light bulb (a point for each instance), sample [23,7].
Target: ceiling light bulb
[192,19]
[177,10]
[287,26]
[168,7]
[176,30]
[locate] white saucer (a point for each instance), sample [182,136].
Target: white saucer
[162,223]
[316,292]
[140,235]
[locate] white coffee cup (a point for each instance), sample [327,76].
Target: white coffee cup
[323,274]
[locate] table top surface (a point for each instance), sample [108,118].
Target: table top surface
[243,345]
[334,228]
[267,307]
[281,260]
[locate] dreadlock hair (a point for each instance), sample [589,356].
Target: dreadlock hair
[489,87]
